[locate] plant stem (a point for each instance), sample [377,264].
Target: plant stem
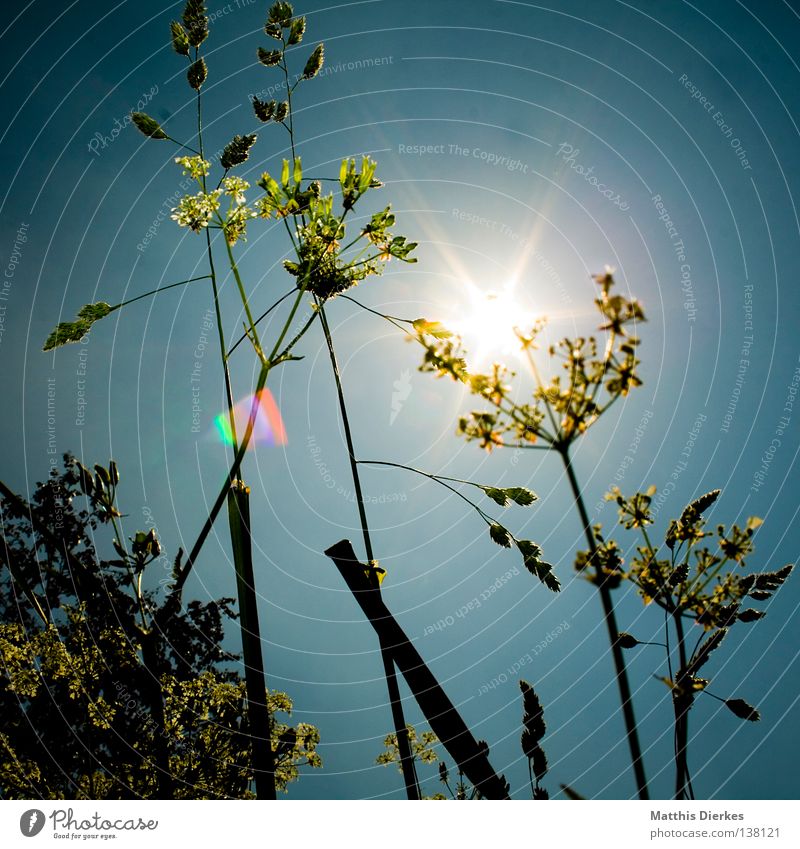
[400,728]
[241,541]
[258,718]
[157,291]
[235,269]
[612,628]
[682,704]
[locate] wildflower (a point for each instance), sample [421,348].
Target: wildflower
[235,187]
[195,166]
[195,211]
[236,223]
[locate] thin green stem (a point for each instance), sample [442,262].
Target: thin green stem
[245,301]
[682,704]
[260,319]
[185,146]
[400,727]
[440,479]
[215,292]
[611,626]
[156,291]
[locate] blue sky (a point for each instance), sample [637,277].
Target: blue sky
[521,144]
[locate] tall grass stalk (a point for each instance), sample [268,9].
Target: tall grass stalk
[400,726]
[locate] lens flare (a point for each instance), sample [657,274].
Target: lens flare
[268,430]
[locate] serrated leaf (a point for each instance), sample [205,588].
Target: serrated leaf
[500,535]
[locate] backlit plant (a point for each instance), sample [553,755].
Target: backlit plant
[698,578]
[594,375]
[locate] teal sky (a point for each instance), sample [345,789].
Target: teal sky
[522,145]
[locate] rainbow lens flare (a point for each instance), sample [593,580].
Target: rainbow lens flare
[268,430]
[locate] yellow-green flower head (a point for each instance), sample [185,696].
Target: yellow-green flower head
[195,166]
[236,223]
[235,188]
[195,211]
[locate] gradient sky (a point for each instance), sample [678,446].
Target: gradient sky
[691,106]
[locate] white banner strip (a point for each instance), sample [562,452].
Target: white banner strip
[386,825]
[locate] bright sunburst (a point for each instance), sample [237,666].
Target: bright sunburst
[488,320]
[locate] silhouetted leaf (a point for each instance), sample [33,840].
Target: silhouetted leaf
[539,763]
[626,641]
[743,710]
[704,651]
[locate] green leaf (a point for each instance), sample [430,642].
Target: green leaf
[285,173]
[74,331]
[298,170]
[500,535]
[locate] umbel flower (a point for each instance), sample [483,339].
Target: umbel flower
[195,211]
[194,166]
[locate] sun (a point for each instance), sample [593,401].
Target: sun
[488,321]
